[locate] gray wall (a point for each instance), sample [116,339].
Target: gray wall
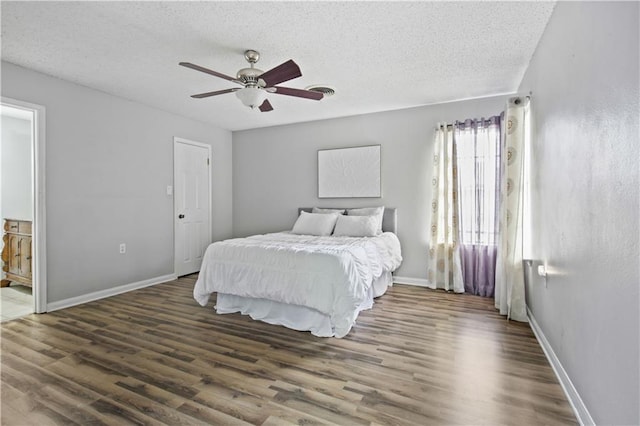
[108,163]
[17,201]
[584,78]
[275,170]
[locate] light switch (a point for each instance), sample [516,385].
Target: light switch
[169,190]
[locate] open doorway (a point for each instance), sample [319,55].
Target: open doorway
[22,290]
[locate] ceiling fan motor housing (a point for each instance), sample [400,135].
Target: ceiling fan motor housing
[249,76]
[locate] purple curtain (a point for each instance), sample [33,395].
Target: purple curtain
[478,157]
[478,269]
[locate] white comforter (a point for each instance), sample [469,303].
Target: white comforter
[329,274]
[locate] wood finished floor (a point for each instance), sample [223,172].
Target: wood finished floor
[153,356]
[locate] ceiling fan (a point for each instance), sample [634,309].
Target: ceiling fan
[257,83]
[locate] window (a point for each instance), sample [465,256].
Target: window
[478,157]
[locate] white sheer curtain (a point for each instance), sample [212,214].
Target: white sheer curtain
[443,264]
[509,290]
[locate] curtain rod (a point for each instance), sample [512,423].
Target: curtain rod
[488,120]
[527,97]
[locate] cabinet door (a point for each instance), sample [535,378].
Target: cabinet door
[14,254]
[25,257]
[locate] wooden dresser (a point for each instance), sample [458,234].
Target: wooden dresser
[16,253]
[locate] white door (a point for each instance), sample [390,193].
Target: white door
[192,204]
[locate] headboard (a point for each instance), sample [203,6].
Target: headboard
[389,218]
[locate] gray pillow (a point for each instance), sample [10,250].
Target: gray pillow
[321,210]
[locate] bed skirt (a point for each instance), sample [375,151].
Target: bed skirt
[298,317]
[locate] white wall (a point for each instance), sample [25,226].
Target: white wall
[275,170]
[108,163]
[585,161]
[17,200]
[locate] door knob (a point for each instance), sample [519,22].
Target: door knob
[180,216]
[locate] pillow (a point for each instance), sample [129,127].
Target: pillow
[321,210]
[315,223]
[378,212]
[356,226]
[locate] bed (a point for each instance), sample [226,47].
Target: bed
[309,283]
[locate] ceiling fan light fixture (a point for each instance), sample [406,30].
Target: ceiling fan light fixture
[252,97]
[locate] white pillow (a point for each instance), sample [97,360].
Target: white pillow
[378,212]
[320,210]
[315,223]
[356,226]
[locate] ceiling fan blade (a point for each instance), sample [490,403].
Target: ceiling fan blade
[300,93]
[208,71]
[266,106]
[217,92]
[283,72]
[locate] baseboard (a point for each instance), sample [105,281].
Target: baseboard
[420,282]
[579,409]
[96,295]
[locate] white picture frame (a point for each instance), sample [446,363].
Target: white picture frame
[350,172]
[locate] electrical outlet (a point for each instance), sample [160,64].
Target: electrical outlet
[123,248]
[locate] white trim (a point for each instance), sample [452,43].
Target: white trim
[101,294]
[177,140]
[39,231]
[579,409]
[420,282]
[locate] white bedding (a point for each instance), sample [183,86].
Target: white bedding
[331,275]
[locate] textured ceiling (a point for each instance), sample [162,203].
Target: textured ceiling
[378,56]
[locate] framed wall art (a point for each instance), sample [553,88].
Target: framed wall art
[349,172]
